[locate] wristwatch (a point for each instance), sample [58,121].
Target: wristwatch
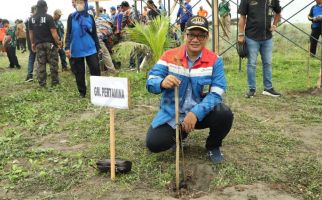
[241,34]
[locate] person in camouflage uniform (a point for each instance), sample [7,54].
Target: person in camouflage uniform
[61,31]
[224,12]
[104,31]
[10,45]
[44,40]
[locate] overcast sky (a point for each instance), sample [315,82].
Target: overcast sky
[20,9]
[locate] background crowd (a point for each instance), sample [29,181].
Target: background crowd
[109,25]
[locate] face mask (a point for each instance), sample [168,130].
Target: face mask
[80,7]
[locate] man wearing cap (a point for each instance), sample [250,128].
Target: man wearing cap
[45,42]
[113,14]
[199,75]
[61,32]
[105,16]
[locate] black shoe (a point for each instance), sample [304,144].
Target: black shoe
[29,79]
[251,93]
[81,95]
[18,67]
[64,69]
[271,92]
[216,156]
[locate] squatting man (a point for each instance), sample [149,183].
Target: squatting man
[199,74]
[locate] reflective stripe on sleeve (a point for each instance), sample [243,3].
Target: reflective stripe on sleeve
[153,76]
[217,90]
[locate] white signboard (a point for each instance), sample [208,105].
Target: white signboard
[111,92]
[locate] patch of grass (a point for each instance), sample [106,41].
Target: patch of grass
[305,177]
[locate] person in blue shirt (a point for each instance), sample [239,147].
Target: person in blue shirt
[82,44]
[315,16]
[103,14]
[118,24]
[199,75]
[184,13]
[113,14]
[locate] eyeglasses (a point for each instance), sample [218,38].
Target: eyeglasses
[200,37]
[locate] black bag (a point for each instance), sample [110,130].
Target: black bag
[242,49]
[121,166]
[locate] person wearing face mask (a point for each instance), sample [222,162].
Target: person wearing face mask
[82,44]
[199,75]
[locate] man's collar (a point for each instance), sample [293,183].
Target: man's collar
[198,57]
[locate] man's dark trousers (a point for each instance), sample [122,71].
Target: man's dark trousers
[219,121]
[315,34]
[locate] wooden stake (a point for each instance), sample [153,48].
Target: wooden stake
[308,80]
[176,90]
[112,143]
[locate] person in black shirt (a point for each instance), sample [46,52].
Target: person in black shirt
[258,32]
[44,41]
[154,11]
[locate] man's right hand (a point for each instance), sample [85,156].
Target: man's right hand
[67,52]
[170,81]
[241,39]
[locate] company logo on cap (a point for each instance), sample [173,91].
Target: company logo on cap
[198,21]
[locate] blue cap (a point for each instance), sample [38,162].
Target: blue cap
[113,8]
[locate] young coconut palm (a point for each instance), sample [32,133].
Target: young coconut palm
[152,39]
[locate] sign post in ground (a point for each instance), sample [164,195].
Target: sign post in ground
[114,93]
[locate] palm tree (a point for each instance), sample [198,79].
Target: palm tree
[151,39]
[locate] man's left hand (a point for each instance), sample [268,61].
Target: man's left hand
[189,122]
